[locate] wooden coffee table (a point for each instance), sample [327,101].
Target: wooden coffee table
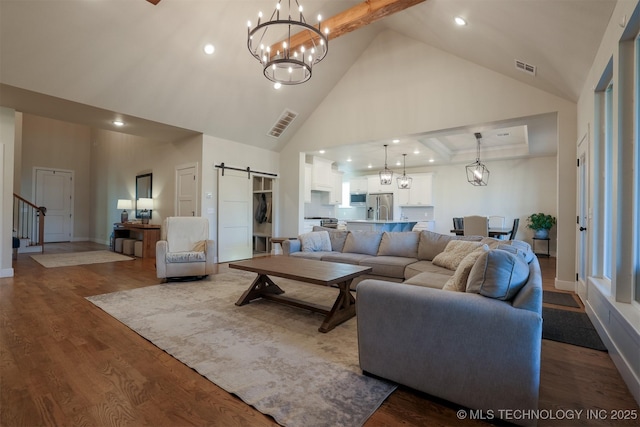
[308,271]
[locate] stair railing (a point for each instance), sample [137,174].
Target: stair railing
[28,221]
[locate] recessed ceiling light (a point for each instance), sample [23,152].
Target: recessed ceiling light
[349,159]
[369,166]
[398,163]
[209,49]
[431,160]
[395,141]
[118,123]
[460,21]
[277,85]
[321,151]
[416,152]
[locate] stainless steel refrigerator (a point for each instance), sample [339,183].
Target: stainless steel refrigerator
[380,206]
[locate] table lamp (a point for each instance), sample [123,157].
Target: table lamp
[124,204]
[145,205]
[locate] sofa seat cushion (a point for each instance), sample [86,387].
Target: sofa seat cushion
[187,256]
[429,280]
[344,257]
[425,267]
[498,274]
[399,244]
[311,255]
[388,266]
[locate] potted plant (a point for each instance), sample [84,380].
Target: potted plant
[541,223]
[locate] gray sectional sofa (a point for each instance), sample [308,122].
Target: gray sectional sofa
[461,321]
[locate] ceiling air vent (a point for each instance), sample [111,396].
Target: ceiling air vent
[527,68]
[283,123]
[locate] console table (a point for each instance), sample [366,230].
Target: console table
[149,234]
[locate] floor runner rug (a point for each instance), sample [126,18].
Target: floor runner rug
[78,258]
[570,327]
[270,355]
[559,298]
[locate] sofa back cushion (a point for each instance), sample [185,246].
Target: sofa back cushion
[399,243]
[431,244]
[498,274]
[363,242]
[337,237]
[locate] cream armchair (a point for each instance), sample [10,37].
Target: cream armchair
[184,248]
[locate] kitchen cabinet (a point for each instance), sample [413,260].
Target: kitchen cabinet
[358,185]
[307,183]
[420,193]
[335,197]
[321,174]
[374,186]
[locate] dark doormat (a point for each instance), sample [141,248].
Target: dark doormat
[570,327]
[559,298]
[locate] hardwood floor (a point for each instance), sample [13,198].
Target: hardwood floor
[65,362]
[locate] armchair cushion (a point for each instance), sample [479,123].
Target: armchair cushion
[186,257]
[185,248]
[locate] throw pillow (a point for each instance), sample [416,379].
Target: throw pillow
[337,237]
[315,241]
[431,244]
[199,246]
[399,243]
[454,253]
[498,274]
[458,282]
[527,256]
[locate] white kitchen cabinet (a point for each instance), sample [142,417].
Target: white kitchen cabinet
[335,197]
[420,193]
[321,178]
[358,185]
[374,186]
[307,182]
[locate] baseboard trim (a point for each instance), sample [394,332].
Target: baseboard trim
[565,285]
[6,272]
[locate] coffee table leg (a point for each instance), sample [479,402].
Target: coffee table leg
[262,285]
[343,309]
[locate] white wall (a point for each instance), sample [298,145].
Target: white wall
[7,135]
[400,87]
[617,320]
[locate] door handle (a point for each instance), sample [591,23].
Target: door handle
[583,228]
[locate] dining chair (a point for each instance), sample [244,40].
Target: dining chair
[475,225]
[514,230]
[458,223]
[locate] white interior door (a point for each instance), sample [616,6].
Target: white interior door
[582,217]
[235,206]
[53,191]
[186,191]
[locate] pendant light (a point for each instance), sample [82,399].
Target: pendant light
[386,176]
[404,181]
[477,173]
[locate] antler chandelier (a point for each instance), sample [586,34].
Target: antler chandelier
[287,48]
[477,173]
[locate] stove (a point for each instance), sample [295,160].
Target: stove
[329,222]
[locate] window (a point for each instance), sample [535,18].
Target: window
[608,174]
[636,137]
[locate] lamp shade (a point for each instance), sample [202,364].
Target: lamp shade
[124,204]
[144,203]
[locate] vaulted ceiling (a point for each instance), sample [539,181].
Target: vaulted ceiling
[90,61]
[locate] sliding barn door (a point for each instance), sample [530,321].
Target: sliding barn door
[235,226]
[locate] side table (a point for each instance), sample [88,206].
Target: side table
[544,254]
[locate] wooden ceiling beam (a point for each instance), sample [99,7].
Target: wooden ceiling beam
[351,19]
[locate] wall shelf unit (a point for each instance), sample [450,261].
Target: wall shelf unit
[262,213]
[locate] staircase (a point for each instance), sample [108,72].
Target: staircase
[28,225]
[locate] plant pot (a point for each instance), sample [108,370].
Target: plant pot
[542,233]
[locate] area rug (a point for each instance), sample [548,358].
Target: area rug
[78,258]
[570,327]
[559,298]
[270,355]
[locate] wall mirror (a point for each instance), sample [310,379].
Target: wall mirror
[143,189]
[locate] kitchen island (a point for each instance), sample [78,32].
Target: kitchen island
[379,225]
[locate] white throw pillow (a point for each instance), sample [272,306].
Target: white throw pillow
[315,241]
[454,253]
